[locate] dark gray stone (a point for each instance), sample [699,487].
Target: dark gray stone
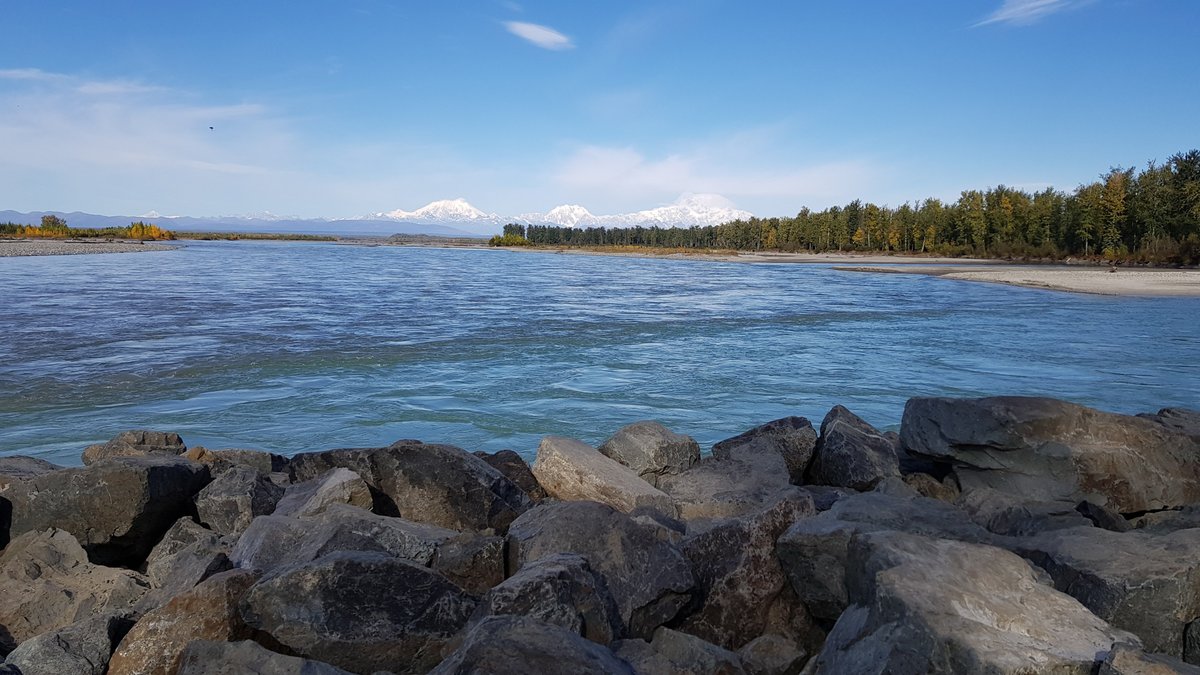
[117,508]
[648,576]
[181,535]
[18,467]
[188,567]
[359,611]
[234,498]
[651,450]
[1179,419]
[715,489]
[562,590]
[772,655]
[137,443]
[1102,517]
[514,468]
[336,486]
[475,562]
[82,648]
[519,645]
[1005,514]
[792,438]
[675,653]
[851,453]
[436,484]
[207,657]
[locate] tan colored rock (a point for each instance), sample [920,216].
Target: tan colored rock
[137,443]
[207,612]
[573,471]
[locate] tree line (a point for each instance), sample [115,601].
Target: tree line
[53,227]
[1152,215]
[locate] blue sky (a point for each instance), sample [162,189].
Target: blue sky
[345,108]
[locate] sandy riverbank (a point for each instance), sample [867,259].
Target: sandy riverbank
[1094,280]
[744,257]
[25,247]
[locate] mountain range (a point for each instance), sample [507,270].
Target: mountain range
[444,218]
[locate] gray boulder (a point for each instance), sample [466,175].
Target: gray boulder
[715,489]
[648,576]
[772,654]
[1126,660]
[673,653]
[18,467]
[923,605]
[1148,585]
[234,498]
[82,648]
[814,551]
[519,645]
[571,470]
[46,583]
[1179,419]
[185,569]
[336,486]
[738,574]
[117,508]
[208,657]
[179,536]
[475,562]
[651,450]
[562,590]
[1006,514]
[137,443]
[852,453]
[437,484]
[792,438]
[359,611]
[1048,450]
[514,468]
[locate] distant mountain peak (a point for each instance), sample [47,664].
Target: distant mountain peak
[441,211]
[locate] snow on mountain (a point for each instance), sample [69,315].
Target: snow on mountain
[443,211]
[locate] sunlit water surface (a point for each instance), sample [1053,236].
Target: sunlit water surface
[293,347]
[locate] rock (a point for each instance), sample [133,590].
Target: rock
[1161,522]
[153,492]
[234,498]
[138,443]
[571,470]
[792,438]
[1179,419]
[1007,515]
[1102,517]
[46,583]
[675,653]
[514,468]
[562,590]
[825,496]
[1041,449]
[206,657]
[1145,584]
[738,573]
[519,645]
[18,467]
[928,486]
[207,612]
[359,611]
[772,655]
[651,450]
[437,484]
[182,534]
[648,576]
[896,486]
[475,562]
[922,605]
[274,541]
[336,486]
[1126,660]
[716,489]
[813,551]
[851,453]
[82,648]
[262,462]
[188,567]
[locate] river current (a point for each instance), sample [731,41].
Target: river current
[293,347]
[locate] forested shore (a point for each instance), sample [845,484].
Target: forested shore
[1146,216]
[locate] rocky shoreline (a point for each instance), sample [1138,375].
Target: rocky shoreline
[11,248]
[998,535]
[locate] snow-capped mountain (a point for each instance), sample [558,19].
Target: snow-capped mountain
[443,211]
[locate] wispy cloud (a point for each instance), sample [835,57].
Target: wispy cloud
[542,36]
[29,74]
[1025,12]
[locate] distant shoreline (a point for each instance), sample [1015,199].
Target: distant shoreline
[14,248]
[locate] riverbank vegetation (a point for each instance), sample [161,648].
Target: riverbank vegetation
[256,236]
[53,227]
[1147,216]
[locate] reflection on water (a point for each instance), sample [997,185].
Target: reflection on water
[294,347]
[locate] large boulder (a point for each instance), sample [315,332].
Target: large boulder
[923,605]
[648,576]
[210,611]
[852,453]
[1179,419]
[738,573]
[46,582]
[519,645]
[437,484]
[560,589]
[673,653]
[1126,660]
[475,562]
[182,534]
[359,611]
[1006,514]
[814,551]
[234,498]
[514,468]
[571,470]
[187,568]
[715,489]
[209,657]
[336,486]
[651,450]
[772,654]
[117,508]
[19,467]
[792,438]
[137,443]
[1148,585]
[1049,450]
[82,648]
